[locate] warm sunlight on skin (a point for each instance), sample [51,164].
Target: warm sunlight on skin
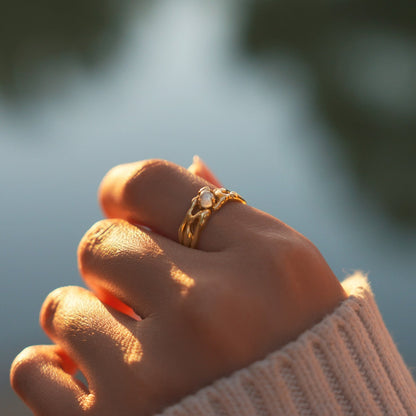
[185,281]
[196,305]
[131,347]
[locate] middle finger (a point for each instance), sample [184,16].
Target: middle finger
[134,265]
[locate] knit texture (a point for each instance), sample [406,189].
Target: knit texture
[347,364]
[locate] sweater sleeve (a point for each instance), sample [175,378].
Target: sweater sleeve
[347,364]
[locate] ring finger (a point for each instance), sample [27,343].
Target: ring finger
[157,194]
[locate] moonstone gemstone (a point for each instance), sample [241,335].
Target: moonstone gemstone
[206,199]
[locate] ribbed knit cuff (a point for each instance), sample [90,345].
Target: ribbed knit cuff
[347,364]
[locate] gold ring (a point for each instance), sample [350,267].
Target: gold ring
[203,205]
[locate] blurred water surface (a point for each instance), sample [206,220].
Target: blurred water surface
[178,83]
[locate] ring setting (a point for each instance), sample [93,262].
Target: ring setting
[204,204]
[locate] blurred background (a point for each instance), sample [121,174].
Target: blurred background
[308,108]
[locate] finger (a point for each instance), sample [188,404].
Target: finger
[89,332]
[38,376]
[134,265]
[157,194]
[199,168]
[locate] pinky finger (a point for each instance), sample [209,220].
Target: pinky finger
[41,376]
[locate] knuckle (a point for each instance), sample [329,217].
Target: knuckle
[58,315]
[149,175]
[25,364]
[49,308]
[91,241]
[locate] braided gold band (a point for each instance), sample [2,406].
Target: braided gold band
[203,205]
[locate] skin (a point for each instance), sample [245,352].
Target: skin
[252,285]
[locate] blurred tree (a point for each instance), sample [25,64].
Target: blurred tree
[362,57]
[35,33]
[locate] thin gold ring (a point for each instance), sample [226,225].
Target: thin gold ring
[203,205]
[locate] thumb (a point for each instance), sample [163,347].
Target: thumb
[200,169]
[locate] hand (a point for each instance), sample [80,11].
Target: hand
[252,285]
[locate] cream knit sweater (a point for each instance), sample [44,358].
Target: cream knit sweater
[347,364]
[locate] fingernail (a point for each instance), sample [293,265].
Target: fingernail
[198,161]
[195,159]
